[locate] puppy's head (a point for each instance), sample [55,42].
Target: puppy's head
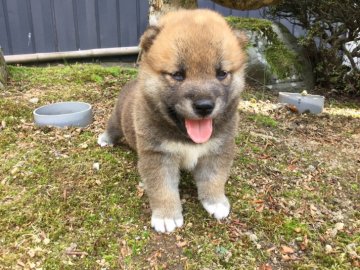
[192,70]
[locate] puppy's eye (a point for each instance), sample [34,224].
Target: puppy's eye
[221,74]
[178,75]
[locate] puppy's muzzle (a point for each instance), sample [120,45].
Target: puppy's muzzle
[203,107]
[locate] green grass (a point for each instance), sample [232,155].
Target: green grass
[79,74]
[57,212]
[263,120]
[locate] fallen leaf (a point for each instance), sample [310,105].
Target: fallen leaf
[332,232]
[96,166]
[124,250]
[269,250]
[181,244]
[71,248]
[20,263]
[252,237]
[140,191]
[305,243]
[34,100]
[306,187]
[14,170]
[328,249]
[292,168]
[339,226]
[46,241]
[31,253]
[259,201]
[313,210]
[285,258]
[265,267]
[292,108]
[84,145]
[260,208]
[287,250]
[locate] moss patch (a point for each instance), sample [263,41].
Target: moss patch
[260,26]
[281,60]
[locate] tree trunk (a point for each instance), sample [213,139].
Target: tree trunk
[246,4]
[3,72]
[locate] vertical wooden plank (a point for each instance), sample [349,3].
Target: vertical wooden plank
[128,23]
[19,29]
[43,25]
[65,26]
[4,42]
[86,20]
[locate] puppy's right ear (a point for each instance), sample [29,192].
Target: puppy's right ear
[147,39]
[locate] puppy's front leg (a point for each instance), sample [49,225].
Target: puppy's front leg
[160,175]
[211,174]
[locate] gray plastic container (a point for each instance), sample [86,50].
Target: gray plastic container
[64,114]
[311,103]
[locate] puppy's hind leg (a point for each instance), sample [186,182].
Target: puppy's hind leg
[112,134]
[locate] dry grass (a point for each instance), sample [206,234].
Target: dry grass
[294,187]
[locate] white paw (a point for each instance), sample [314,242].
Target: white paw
[166,224]
[104,140]
[219,209]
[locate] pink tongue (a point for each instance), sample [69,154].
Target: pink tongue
[199,130]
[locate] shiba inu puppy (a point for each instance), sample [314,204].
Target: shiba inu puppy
[181,111]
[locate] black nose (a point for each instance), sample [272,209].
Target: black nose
[204,107]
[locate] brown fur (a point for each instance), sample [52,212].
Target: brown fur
[150,111]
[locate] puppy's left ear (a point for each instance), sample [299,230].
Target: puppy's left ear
[147,39]
[242,38]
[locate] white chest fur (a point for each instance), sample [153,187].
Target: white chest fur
[189,154]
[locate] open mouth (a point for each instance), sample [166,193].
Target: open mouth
[200,130]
